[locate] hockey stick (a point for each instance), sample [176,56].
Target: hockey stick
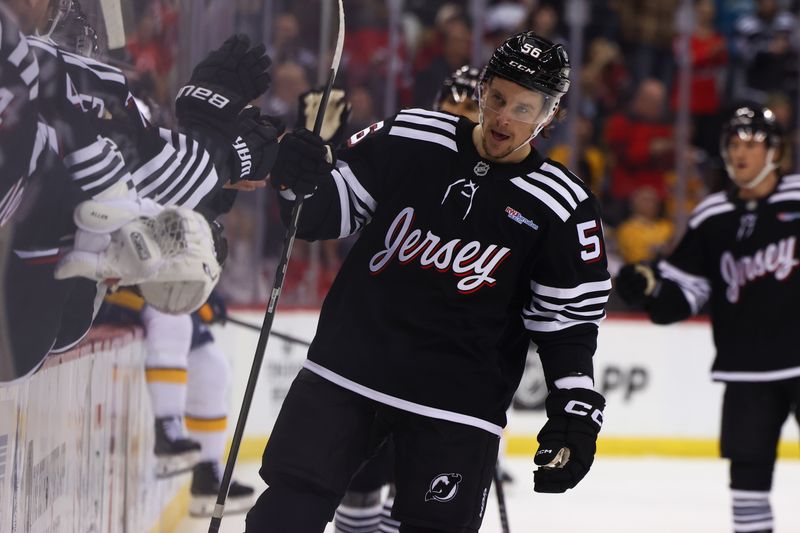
[501,500]
[281,336]
[269,316]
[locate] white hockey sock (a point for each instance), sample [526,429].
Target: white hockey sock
[358,519]
[211,433]
[388,524]
[751,511]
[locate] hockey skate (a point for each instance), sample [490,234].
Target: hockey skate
[175,453]
[206,479]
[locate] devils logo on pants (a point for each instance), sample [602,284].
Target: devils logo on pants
[443,488]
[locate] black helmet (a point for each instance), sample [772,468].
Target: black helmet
[533,62]
[72,29]
[461,85]
[752,121]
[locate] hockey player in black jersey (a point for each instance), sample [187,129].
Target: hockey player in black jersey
[739,254]
[472,244]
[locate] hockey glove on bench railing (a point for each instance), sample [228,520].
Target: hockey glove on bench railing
[568,440]
[304,163]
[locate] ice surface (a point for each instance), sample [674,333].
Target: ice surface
[620,495]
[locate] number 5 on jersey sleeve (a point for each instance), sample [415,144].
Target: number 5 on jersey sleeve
[588,235]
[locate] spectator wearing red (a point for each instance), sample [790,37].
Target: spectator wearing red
[641,143]
[709,60]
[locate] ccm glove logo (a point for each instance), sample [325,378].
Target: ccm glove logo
[575,407]
[204,94]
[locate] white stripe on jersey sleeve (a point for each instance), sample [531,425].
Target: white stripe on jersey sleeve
[429,113]
[580,194]
[553,184]
[345,227]
[96,167]
[43,139]
[30,73]
[102,74]
[696,289]
[569,309]
[86,153]
[422,135]
[199,174]
[571,293]
[19,53]
[12,199]
[449,127]
[105,177]
[211,178]
[165,174]
[545,198]
[148,168]
[358,190]
[542,326]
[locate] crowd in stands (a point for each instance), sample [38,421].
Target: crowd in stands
[626,149]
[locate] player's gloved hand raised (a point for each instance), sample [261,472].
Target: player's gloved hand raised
[236,67]
[221,86]
[567,442]
[334,122]
[635,282]
[256,147]
[304,162]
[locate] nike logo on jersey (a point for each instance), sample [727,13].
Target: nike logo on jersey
[777,258]
[470,262]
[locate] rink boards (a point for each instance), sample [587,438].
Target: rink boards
[661,400]
[76,437]
[76,442]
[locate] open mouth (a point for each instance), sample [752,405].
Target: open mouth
[499,137]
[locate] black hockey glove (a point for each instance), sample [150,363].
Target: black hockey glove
[221,85]
[567,442]
[255,148]
[304,162]
[235,67]
[334,123]
[635,282]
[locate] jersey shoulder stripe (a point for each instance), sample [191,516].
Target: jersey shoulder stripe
[713,205]
[555,187]
[426,126]
[788,190]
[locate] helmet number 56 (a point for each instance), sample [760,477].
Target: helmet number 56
[590,240]
[528,48]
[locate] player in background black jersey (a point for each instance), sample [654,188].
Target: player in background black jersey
[739,254]
[471,245]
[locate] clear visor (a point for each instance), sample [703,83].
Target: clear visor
[526,107]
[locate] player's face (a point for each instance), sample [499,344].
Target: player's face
[747,157]
[510,116]
[465,108]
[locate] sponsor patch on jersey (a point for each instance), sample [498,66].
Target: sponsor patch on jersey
[443,488]
[517,217]
[788,216]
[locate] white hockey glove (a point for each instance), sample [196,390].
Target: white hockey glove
[169,251]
